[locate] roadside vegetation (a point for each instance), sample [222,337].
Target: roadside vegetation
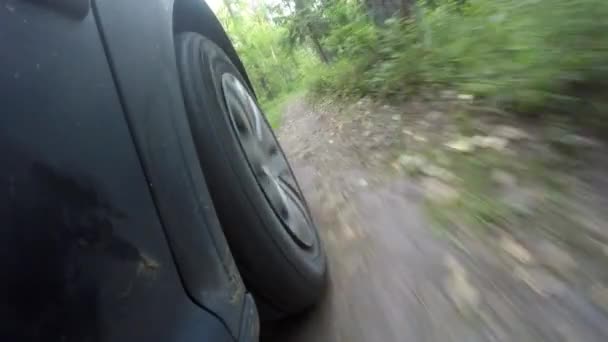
[526,56]
[277,69]
[536,68]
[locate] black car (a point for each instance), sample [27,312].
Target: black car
[145,197]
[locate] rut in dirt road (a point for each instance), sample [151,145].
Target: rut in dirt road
[392,278]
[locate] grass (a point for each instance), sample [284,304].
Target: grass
[482,207]
[529,57]
[275,108]
[479,205]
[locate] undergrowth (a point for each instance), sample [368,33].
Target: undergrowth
[528,56]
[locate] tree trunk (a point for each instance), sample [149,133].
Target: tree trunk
[381,10]
[267,90]
[302,11]
[317,44]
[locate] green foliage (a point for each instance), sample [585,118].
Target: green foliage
[525,54]
[275,69]
[275,108]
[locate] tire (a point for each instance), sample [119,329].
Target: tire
[285,275]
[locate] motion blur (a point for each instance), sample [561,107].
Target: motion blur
[454,155]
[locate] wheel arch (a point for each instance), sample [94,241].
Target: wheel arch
[196,16]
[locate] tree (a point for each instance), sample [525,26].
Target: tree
[381,10]
[305,23]
[274,67]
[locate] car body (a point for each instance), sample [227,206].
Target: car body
[107,220]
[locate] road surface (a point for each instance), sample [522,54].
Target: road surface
[395,278]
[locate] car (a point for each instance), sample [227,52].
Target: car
[145,196]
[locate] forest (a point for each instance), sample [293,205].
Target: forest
[528,57]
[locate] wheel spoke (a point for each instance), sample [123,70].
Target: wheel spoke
[269,164]
[257,121]
[239,117]
[298,219]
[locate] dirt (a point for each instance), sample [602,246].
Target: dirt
[394,276]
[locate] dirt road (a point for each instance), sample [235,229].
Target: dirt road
[394,278]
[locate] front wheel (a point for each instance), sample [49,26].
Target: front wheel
[259,203]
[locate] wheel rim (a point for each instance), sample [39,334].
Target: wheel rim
[269,164]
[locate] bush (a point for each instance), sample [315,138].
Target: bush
[275,68]
[524,54]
